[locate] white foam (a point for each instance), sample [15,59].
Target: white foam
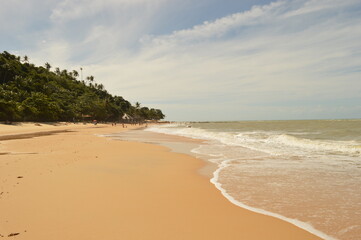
[274,143]
[347,147]
[269,142]
[305,226]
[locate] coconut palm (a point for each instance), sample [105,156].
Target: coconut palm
[47,66]
[137,105]
[90,79]
[75,73]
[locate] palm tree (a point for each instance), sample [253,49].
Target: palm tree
[47,66]
[90,79]
[65,73]
[26,59]
[75,73]
[137,105]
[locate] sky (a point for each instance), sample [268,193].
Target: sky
[204,60]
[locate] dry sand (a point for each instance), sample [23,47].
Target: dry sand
[76,185]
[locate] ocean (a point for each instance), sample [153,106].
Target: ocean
[306,172]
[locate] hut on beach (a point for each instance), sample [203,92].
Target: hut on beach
[127,118]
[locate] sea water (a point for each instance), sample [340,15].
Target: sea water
[305,172]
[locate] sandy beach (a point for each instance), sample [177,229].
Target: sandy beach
[66,182]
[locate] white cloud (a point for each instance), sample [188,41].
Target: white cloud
[257,15]
[68,10]
[91,31]
[17,15]
[313,6]
[272,61]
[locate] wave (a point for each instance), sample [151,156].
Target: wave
[271,142]
[255,140]
[346,147]
[305,226]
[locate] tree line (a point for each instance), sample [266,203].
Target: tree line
[36,93]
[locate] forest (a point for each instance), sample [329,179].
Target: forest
[41,93]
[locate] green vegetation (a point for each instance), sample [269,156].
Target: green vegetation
[32,93]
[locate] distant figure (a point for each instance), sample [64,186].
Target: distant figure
[95,122]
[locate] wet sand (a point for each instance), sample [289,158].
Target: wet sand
[72,184]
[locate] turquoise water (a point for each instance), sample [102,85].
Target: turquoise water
[305,172]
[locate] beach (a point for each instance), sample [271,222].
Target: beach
[306,172]
[69,182]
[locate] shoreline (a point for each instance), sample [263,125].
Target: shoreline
[76,185]
[211,171]
[303,173]
[302,225]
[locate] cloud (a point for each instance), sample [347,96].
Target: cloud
[219,27]
[21,19]
[68,10]
[314,6]
[270,61]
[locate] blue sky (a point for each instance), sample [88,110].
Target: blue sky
[205,59]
